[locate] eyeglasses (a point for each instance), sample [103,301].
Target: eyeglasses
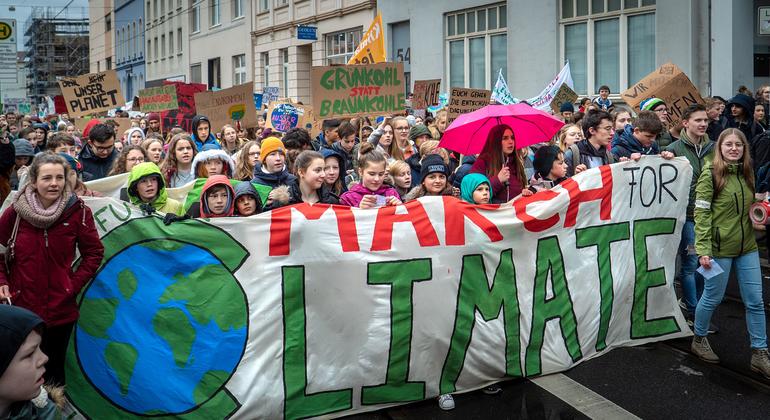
[103,148]
[606,128]
[253,153]
[402,128]
[662,111]
[135,160]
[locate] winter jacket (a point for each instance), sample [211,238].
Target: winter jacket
[722,224]
[626,144]
[749,128]
[199,143]
[462,170]
[207,155]
[357,192]
[698,157]
[42,278]
[246,188]
[715,128]
[589,156]
[420,191]
[500,194]
[759,147]
[202,208]
[347,157]
[414,168]
[162,203]
[325,196]
[97,167]
[665,138]
[272,180]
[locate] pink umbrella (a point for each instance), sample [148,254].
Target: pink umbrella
[468,133]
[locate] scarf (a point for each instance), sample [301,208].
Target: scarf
[28,206]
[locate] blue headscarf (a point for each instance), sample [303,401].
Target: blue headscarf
[470,183]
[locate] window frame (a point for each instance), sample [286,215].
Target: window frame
[622,14]
[329,40]
[195,17]
[215,5]
[239,69]
[238,11]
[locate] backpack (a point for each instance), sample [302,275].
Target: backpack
[576,156]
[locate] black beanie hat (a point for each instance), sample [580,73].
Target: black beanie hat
[15,325]
[544,158]
[432,163]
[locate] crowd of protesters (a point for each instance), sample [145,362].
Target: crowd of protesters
[367,163]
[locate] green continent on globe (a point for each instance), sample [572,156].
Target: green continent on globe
[209,383]
[121,357]
[209,294]
[174,327]
[127,283]
[164,245]
[100,316]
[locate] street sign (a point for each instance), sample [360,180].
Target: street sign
[8,70]
[307,32]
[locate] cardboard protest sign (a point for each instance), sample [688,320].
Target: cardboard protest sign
[434,296]
[182,116]
[565,94]
[269,94]
[284,115]
[156,99]
[668,83]
[463,101]
[372,47]
[227,106]
[91,93]
[346,91]
[123,124]
[426,93]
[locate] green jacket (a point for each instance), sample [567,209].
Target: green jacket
[162,203]
[698,157]
[722,224]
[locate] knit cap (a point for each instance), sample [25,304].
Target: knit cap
[650,103]
[23,148]
[431,164]
[270,145]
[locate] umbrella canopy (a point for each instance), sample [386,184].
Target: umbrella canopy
[468,133]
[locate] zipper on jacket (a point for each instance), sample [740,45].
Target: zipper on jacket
[719,239]
[740,214]
[45,234]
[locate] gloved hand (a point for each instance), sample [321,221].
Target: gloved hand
[147,209]
[171,218]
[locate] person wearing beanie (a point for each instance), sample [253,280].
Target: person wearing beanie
[271,170]
[433,172]
[658,106]
[566,110]
[153,123]
[22,365]
[201,132]
[550,168]
[740,115]
[418,134]
[24,154]
[475,189]
[134,136]
[75,178]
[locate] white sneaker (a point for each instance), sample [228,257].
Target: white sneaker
[446,402]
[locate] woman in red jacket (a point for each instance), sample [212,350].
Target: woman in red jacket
[41,230]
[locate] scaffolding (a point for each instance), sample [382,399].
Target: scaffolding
[56,42]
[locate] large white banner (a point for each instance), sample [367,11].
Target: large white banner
[327,310]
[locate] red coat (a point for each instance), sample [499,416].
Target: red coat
[42,279]
[499,193]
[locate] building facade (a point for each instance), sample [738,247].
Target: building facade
[101,18]
[220,53]
[283,60]
[166,32]
[129,46]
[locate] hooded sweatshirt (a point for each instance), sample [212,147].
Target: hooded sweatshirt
[202,209]
[211,154]
[161,203]
[469,184]
[357,192]
[272,179]
[245,188]
[626,144]
[130,132]
[199,143]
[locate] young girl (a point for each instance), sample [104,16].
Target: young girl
[400,177]
[128,158]
[434,179]
[245,160]
[371,191]
[134,136]
[334,163]
[154,149]
[247,200]
[177,167]
[475,189]
[310,185]
[230,141]
[213,162]
[499,162]
[383,139]
[724,237]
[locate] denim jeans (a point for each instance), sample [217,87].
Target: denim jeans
[692,282]
[750,282]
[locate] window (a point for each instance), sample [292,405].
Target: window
[149,50]
[155,9]
[239,69]
[148,10]
[266,67]
[162,7]
[195,18]
[135,40]
[163,47]
[171,43]
[279,3]
[179,40]
[477,44]
[195,73]
[107,23]
[237,8]
[285,58]
[608,42]
[264,5]
[214,13]
[214,75]
[155,51]
[341,45]
[108,62]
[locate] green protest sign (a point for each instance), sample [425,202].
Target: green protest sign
[158,99]
[340,91]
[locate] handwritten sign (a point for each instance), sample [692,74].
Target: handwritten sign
[463,101]
[227,106]
[269,93]
[284,115]
[565,94]
[669,84]
[426,93]
[158,99]
[340,91]
[91,93]
[182,116]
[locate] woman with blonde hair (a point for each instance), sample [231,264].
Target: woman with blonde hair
[229,139]
[154,148]
[245,160]
[568,135]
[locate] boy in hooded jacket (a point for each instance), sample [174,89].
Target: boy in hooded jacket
[217,199]
[201,132]
[247,200]
[147,189]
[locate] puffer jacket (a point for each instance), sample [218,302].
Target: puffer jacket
[294,196]
[272,180]
[42,278]
[201,209]
[357,192]
[626,144]
[722,224]
[698,157]
[162,203]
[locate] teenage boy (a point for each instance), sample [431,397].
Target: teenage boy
[99,154]
[147,189]
[639,138]
[593,151]
[217,199]
[201,133]
[566,110]
[603,102]
[62,143]
[328,135]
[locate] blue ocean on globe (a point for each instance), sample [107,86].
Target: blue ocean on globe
[157,383]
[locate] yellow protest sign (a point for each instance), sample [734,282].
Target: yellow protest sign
[372,47]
